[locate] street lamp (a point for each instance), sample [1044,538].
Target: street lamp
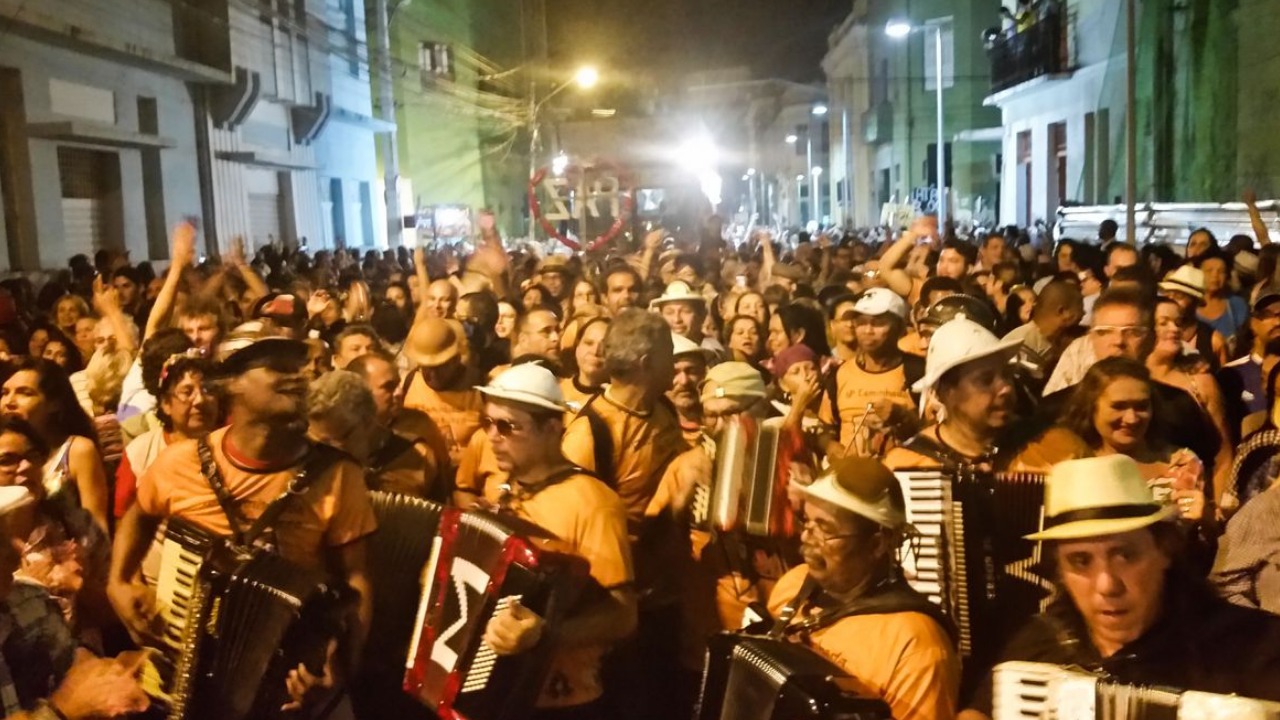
[899,29]
[587,77]
[819,110]
[792,139]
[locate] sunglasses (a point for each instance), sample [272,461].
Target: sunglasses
[505,428]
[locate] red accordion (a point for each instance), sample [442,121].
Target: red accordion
[747,490]
[480,563]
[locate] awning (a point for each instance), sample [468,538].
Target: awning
[86,131]
[261,158]
[991,135]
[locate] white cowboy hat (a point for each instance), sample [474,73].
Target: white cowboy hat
[959,341]
[678,291]
[1098,496]
[528,384]
[1187,280]
[865,487]
[682,345]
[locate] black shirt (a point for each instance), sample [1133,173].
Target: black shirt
[1202,643]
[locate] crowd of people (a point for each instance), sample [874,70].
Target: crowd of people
[585,393]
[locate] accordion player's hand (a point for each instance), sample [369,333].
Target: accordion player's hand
[135,604]
[514,629]
[306,689]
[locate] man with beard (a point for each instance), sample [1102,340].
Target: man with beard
[523,418]
[255,459]
[869,405]
[441,388]
[621,289]
[1241,380]
[848,600]
[691,370]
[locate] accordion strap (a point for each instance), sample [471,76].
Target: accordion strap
[314,463]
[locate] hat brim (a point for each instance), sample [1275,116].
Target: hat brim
[826,490]
[430,360]
[1008,346]
[521,397]
[238,361]
[659,302]
[1166,286]
[1265,300]
[1082,529]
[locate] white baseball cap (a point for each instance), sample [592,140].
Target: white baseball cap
[879,301]
[959,341]
[528,384]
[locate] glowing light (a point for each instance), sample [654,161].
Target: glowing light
[898,29]
[587,77]
[559,163]
[751,171]
[817,170]
[698,156]
[819,110]
[792,139]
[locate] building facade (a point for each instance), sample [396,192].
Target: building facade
[121,119]
[883,99]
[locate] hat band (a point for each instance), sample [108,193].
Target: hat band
[1179,286]
[1109,512]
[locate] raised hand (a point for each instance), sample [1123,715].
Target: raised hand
[182,248]
[653,240]
[235,254]
[105,298]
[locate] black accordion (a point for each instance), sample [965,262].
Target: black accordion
[745,492]
[235,624]
[758,678]
[480,563]
[970,557]
[397,558]
[1029,691]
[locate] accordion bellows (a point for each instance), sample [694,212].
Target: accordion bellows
[757,678]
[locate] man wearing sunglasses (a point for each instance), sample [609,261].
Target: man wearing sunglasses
[524,419]
[848,600]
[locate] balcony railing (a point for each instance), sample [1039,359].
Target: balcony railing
[1038,50]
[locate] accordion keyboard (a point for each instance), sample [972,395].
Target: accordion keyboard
[179,566]
[926,495]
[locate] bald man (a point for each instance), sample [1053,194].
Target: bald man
[442,299]
[1058,309]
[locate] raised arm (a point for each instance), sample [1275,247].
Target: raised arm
[1255,217]
[107,302]
[181,252]
[897,278]
[768,258]
[235,258]
[424,281]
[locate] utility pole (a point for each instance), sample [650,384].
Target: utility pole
[942,147]
[387,140]
[1131,126]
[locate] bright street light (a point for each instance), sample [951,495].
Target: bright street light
[792,139]
[819,110]
[587,77]
[816,171]
[898,29]
[800,177]
[559,164]
[751,171]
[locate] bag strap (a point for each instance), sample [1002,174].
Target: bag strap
[601,442]
[213,476]
[317,460]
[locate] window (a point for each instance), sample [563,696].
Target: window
[435,60]
[948,58]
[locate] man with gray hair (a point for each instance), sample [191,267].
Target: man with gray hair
[629,436]
[339,407]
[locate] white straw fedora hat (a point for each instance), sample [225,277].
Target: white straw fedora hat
[863,486]
[528,384]
[959,341]
[678,291]
[1098,496]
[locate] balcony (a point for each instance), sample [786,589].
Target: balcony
[877,123]
[1038,51]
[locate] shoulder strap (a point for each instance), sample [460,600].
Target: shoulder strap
[913,369]
[832,387]
[320,458]
[601,443]
[897,597]
[213,476]
[926,446]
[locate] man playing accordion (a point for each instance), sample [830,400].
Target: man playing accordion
[524,419]
[849,601]
[1126,604]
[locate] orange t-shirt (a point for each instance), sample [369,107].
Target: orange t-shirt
[855,389]
[478,471]
[586,515]
[455,415]
[905,658]
[333,512]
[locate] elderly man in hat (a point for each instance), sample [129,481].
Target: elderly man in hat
[848,600]
[254,459]
[524,418]
[869,405]
[441,387]
[684,311]
[690,371]
[1126,604]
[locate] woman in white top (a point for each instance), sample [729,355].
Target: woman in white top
[38,391]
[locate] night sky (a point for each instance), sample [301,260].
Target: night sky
[661,40]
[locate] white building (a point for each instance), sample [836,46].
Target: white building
[1060,87]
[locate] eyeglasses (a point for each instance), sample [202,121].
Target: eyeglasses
[1128,332]
[822,536]
[13,460]
[505,428]
[188,394]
